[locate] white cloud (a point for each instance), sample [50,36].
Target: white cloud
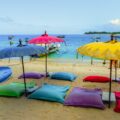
[6,19]
[115,21]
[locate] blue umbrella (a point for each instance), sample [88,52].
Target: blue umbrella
[20,51]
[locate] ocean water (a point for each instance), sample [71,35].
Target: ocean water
[67,49]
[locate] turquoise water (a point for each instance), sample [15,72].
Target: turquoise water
[67,51]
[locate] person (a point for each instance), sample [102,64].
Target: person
[26,40]
[11,42]
[114,63]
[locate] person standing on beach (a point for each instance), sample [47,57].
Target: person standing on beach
[26,40]
[10,38]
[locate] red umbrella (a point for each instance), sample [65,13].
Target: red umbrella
[45,39]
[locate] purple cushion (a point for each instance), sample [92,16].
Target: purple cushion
[32,75]
[85,97]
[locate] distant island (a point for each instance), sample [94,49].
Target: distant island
[102,32]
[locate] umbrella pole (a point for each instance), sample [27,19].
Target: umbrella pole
[76,55]
[116,70]
[110,83]
[82,57]
[91,61]
[24,76]
[46,61]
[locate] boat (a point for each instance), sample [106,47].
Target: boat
[61,36]
[51,48]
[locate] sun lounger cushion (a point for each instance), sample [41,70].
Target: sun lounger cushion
[85,98]
[14,89]
[96,79]
[117,107]
[32,75]
[63,76]
[50,93]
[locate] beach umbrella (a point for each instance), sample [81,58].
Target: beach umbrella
[109,50]
[45,39]
[21,51]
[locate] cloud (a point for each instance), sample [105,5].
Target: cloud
[6,20]
[115,21]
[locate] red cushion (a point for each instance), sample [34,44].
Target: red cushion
[117,95]
[117,108]
[96,79]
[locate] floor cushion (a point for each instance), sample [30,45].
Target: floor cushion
[31,75]
[117,107]
[117,95]
[50,93]
[117,80]
[14,89]
[85,98]
[63,76]
[105,97]
[5,73]
[96,79]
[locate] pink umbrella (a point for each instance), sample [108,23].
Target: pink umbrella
[45,39]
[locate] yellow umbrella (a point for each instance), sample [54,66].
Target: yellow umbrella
[109,50]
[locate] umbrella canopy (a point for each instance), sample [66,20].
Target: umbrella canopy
[45,39]
[15,51]
[109,50]
[104,50]
[20,51]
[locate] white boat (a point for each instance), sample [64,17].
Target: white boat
[51,48]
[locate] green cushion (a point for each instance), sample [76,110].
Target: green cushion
[14,89]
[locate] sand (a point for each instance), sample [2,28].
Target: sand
[27,109]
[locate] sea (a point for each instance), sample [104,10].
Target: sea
[67,49]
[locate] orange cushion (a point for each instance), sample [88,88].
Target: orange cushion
[96,79]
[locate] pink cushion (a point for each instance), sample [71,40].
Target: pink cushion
[117,107]
[96,79]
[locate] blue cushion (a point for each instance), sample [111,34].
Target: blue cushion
[50,93]
[63,76]
[5,73]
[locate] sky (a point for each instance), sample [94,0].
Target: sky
[58,16]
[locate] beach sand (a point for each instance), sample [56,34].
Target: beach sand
[28,109]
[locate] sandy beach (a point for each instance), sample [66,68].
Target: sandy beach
[27,109]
